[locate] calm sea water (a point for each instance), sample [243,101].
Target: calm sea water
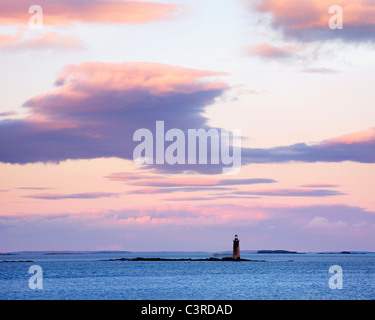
[282,276]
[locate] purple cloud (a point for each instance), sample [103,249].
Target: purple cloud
[86,195]
[319,185]
[210,198]
[270,52]
[178,189]
[292,193]
[308,21]
[356,147]
[7,113]
[201,182]
[204,227]
[98,106]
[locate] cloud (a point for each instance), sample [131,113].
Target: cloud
[7,113]
[324,223]
[158,184]
[33,188]
[126,176]
[191,226]
[319,185]
[234,193]
[190,199]
[97,107]
[320,70]
[66,12]
[208,198]
[365,136]
[308,20]
[112,247]
[270,52]
[62,12]
[177,189]
[199,182]
[86,195]
[291,193]
[356,147]
[46,41]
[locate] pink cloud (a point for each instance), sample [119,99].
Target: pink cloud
[158,78]
[79,83]
[178,189]
[364,136]
[319,185]
[291,192]
[158,185]
[126,176]
[199,182]
[268,51]
[96,108]
[6,39]
[308,20]
[48,41]
[194,228]
[216,197]
[60,12]
[112,247]
[188,215]
[85,195]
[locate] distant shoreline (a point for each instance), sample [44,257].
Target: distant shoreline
[66,252]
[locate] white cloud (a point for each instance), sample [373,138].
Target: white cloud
[324,223]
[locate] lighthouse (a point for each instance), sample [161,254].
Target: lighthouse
[236,248]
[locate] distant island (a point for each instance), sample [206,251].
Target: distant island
[277,251]
[181,259]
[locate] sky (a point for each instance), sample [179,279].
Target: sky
[78,78]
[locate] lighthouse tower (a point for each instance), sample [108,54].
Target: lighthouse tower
[236,248]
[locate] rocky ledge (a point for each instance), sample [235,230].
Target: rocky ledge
[182,259]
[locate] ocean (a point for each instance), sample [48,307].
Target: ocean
[90,276]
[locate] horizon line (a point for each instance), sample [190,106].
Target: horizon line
[272,251]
